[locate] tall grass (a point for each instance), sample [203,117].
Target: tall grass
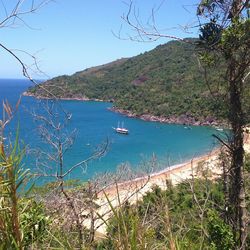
[12,177]
[22,220]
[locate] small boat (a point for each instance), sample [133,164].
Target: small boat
[219,129]
[121,130]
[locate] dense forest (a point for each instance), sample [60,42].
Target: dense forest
[166,81]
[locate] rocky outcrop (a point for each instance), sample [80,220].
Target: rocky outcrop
[184,119]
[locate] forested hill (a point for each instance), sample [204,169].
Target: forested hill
[166,81]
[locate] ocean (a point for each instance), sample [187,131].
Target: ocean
[148,143]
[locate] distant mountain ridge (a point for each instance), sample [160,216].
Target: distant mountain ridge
[166,82]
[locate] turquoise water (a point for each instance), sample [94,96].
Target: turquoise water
[170,144]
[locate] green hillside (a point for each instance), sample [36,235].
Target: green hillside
[166,81]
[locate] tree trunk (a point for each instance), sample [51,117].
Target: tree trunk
[92,219]
[237,198]
[69,200]
[226,183]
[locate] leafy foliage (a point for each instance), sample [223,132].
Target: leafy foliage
[220,234]
[170,218]
[167,81]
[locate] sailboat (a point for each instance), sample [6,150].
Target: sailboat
[121,130]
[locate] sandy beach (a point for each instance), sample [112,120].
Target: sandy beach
[133,190]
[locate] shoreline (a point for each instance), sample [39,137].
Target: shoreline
[209,159]
[186,120]
[82,99]
[133,190]
[173,169]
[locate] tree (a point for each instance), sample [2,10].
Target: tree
[13,14]
[52,128]
[227,35]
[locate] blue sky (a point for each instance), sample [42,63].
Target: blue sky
[70,35]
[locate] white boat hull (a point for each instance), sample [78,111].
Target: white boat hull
[121,131]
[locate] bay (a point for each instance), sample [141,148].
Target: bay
[168,143]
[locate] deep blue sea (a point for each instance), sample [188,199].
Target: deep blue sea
[169,144]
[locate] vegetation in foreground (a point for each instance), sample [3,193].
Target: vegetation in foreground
[190,215]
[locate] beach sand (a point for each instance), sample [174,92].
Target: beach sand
[133,190]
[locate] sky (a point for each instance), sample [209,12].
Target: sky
[66,36]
